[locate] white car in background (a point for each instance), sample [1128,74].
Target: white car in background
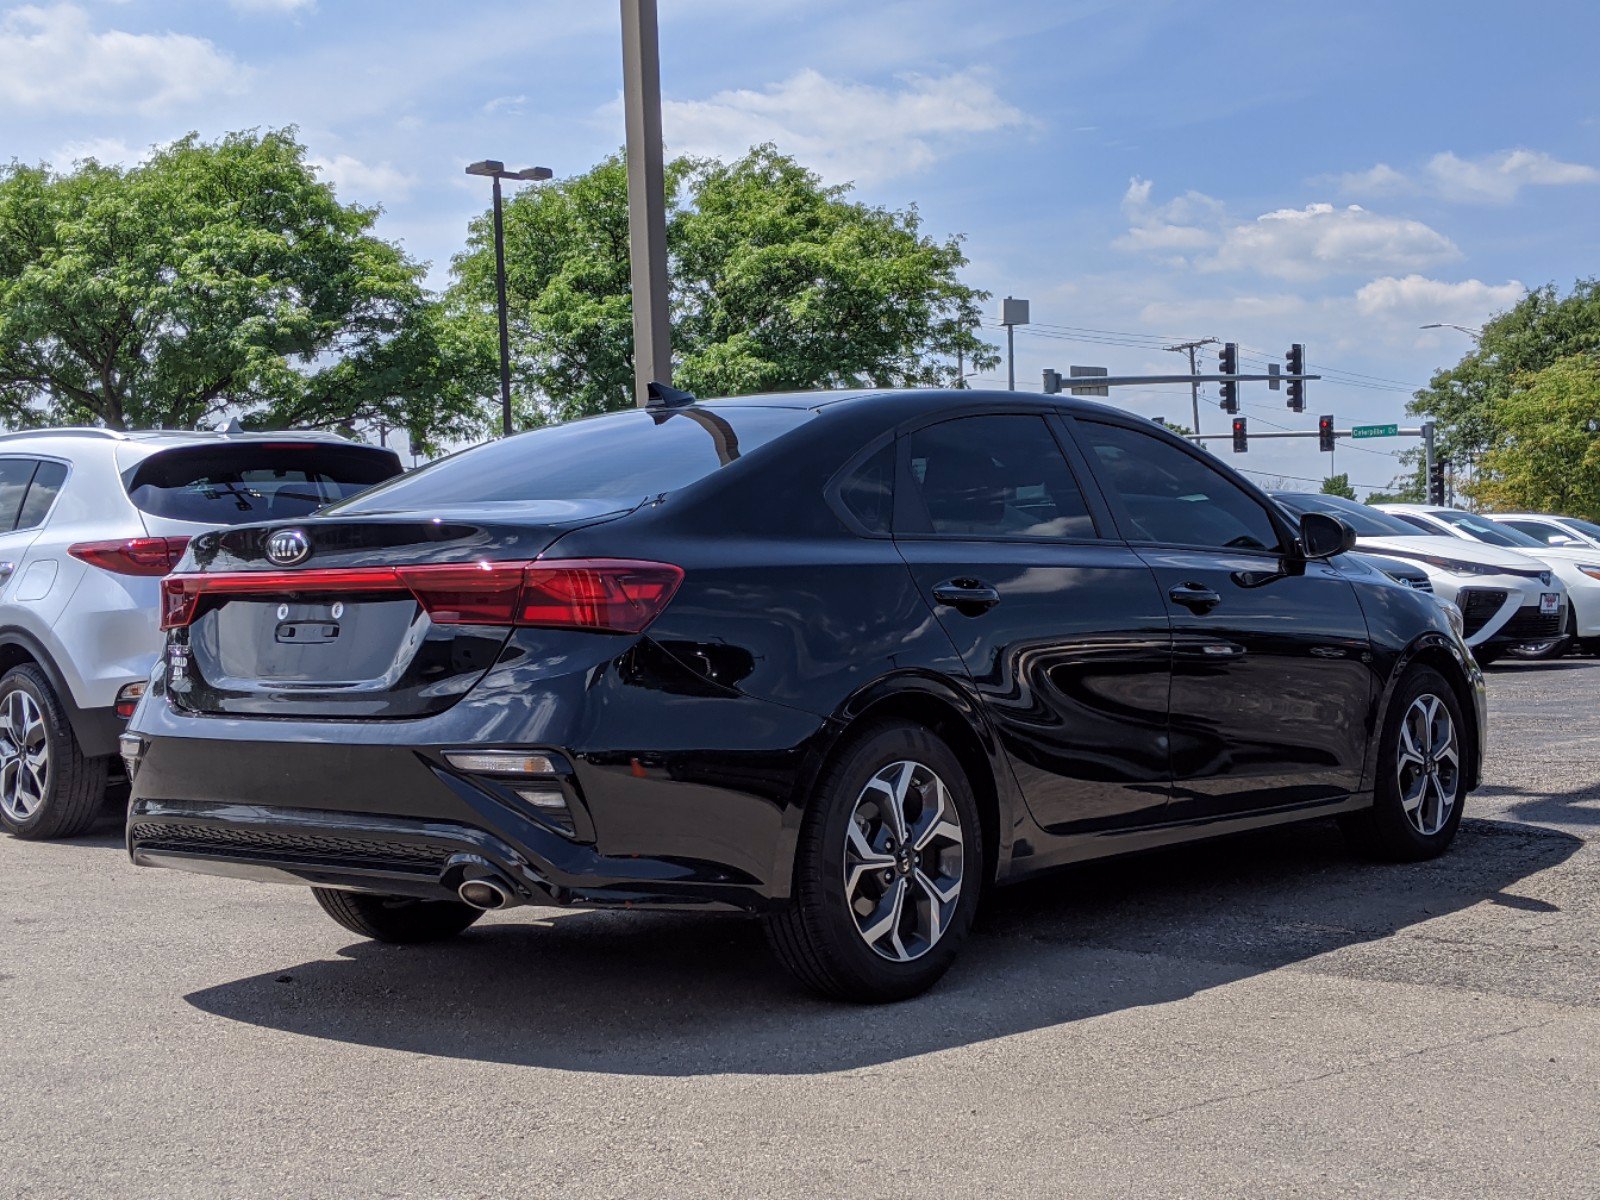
[1577,566]
[1506,598]
[90,519]
[1573,532]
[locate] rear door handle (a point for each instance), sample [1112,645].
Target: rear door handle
[970,597]
[1196,597]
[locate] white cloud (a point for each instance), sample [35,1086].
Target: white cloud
[367,182]
[108,152]
[273,6]
[1299,244]
[510,105]
[56,60]
[1420,300]
[1489,179]
[845,131]
[1320,240]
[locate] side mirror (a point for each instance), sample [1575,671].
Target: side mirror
[1323,535]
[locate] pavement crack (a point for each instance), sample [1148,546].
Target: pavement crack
[1318,1077]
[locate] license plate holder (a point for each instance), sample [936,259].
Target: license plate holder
[1549,603]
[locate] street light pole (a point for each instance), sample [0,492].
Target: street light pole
[647,197]
[496,171]
[1013,312]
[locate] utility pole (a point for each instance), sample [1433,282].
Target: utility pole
[647,200]
[1194,384]
[1012,313]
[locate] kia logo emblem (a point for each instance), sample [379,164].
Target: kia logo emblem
[289,546]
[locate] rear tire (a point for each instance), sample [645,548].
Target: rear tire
[48,787]
[1487,657]
[882,904]
[1420,790]
[399,919]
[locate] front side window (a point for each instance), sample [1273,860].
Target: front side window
[994,476]
[1174,497]
[1485,530]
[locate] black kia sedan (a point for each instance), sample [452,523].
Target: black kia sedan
[843,660]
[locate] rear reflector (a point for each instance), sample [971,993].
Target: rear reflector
[132,556]
[608,595]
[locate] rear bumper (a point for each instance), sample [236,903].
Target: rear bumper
[680,798]
[428,859]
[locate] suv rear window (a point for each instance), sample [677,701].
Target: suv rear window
[624,456]
[237,483]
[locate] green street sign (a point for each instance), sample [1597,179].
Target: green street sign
[1365,431]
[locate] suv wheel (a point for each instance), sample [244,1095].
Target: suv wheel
[48,787]
[887,873]
[396,918]
[1420,789]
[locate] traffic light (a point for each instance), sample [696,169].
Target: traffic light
[1228,364]
[1325,434]
[1436,480]
[1295,361]
[1052,382]
[1241,436]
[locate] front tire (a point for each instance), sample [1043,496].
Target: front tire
[1421,788]
[48,787]
[888,870]
[399,919]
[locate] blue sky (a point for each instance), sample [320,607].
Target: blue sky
[1262,172]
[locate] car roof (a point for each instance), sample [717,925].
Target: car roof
[174,437]
[907,397]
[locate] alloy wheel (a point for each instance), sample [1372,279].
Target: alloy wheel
[903,861]
[24,756]
[1428,764]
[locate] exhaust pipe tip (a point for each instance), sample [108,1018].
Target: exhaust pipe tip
[484,894]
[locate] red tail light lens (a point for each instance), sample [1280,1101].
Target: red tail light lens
[132,556]
[607,595]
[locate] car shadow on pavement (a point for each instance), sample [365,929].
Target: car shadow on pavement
[669,994]
[1575,806]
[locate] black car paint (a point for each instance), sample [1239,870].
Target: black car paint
[693,748]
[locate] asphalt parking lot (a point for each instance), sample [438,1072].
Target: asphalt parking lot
[1265,1017]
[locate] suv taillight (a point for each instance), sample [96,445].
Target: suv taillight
[132,556]
[607,595]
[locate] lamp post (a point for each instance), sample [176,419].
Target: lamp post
[496,171]
[1470,332]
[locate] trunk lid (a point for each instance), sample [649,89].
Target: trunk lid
[310,619]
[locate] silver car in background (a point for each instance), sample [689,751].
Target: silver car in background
[90,519]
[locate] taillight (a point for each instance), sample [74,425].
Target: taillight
[132,556]
[607,595]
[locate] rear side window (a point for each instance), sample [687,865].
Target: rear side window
[14,476]
[625,456]
[994,476]
[867,493]
[231,484]
[47,481]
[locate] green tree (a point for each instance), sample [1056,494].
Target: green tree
[1543,327]
[217,278]
[1546,452]
[1338,485]
[777,282]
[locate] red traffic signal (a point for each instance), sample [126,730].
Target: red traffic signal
[1325,434]
[1241,435]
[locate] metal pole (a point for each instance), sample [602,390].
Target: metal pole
[647,201]
[1427,459]
[1194,387]
[500,293]
[1011,358]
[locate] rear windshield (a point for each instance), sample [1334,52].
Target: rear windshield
[233,484]
[621,456]
[1365,520]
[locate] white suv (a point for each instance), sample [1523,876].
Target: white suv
[90,519]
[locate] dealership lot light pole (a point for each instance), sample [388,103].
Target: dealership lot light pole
[647,197]
[496,171]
